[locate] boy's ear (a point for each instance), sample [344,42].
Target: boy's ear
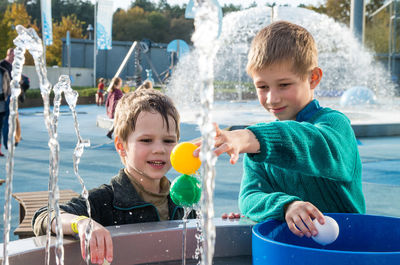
[316,75]
[119,146]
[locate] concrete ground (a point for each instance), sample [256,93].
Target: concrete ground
[380,157]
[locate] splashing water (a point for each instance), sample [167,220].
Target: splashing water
[199,238]
[186,211]
[28,39]
[204,38]
[71,96]
[19,60]
[344,61]
[34,45]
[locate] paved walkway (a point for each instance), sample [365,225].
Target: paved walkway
[380,157]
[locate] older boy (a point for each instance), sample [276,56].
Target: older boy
[147,129]
[305,163]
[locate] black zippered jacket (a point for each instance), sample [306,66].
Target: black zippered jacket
[118,203]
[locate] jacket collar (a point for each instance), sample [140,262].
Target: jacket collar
[127,198]
[308,111]
[125,195]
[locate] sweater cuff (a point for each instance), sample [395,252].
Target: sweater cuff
[283,208]
[269,138]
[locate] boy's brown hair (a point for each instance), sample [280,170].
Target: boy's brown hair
[132,104]
[283,41]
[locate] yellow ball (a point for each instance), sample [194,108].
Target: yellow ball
[182,158]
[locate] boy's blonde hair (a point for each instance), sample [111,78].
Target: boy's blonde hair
[132,104]
[283,41]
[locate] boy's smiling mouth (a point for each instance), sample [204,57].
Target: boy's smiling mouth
[156,163]
[277,110]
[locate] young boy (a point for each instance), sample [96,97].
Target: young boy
[147,129]
[305,163]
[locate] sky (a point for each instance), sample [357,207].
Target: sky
[125,3]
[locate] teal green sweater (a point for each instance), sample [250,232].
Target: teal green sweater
[314,159]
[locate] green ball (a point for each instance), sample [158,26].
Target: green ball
[185,191]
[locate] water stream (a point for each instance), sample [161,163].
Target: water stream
[19,60]
[204,38]
[28,39]
[71,96]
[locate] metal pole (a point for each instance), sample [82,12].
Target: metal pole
[357,19]
[121,67]
[95,44]
[69,53]
[394,37]
[390,40]
[44,45]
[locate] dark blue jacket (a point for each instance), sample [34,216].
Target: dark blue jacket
[118,203]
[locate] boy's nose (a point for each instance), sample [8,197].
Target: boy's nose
[159,148]
[273,97]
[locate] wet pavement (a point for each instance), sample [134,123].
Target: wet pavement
[380,157]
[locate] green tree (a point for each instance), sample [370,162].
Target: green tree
[377,32]
[231,8]
[377,27]
[14,15]
[130,25]
[146,5]
[180,28]
[82,9]
[340,9]
[160,25]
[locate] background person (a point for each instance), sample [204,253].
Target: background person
[114,95]
[100,92]
[6,63]
[5,92]
[147,84]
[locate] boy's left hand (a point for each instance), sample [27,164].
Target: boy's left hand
[299,216]
[101,246]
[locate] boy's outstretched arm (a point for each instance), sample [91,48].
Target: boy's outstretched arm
[101,246]
[233,143]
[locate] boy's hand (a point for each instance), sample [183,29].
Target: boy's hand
[101,246]
[299,216]
[233,143]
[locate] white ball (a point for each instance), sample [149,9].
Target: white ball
[328,232]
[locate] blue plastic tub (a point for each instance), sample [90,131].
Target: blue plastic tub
[363,240]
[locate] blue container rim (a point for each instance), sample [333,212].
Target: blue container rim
[255,232]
